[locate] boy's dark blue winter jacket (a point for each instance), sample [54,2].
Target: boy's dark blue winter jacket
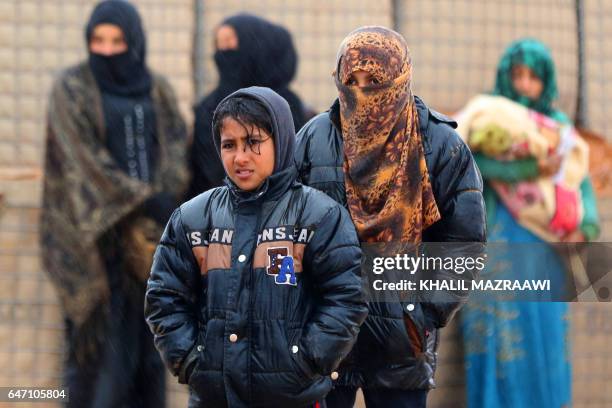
[255,298]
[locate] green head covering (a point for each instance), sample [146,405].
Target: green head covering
[535,55]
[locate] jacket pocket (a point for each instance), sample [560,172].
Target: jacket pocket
[299,357]
[415,329]
[414,336]
[194,359]
[188,366]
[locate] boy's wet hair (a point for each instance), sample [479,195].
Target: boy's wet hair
[247,111]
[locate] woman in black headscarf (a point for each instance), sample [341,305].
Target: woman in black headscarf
[249,51]
[114,170]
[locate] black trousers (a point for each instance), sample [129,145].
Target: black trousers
[344,397]
[128,371]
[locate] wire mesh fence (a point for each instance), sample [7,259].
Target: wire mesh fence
[455,48]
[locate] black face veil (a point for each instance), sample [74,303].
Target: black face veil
[265,55]
[125,73]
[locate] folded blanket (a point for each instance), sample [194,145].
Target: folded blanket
[550,207]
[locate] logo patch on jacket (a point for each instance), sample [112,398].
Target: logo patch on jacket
[211,248]
[280,265]
[285,233]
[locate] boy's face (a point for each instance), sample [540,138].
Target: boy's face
[248,157]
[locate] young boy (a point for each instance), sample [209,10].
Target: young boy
[255,292]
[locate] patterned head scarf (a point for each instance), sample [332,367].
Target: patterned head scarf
[388,190]
[536,56]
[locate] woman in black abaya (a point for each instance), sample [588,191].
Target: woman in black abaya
[249,51]
[115,168]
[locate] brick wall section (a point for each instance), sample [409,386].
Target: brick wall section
[456,45]
[598,64]
[592,355]
[30,324]
[605,212]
